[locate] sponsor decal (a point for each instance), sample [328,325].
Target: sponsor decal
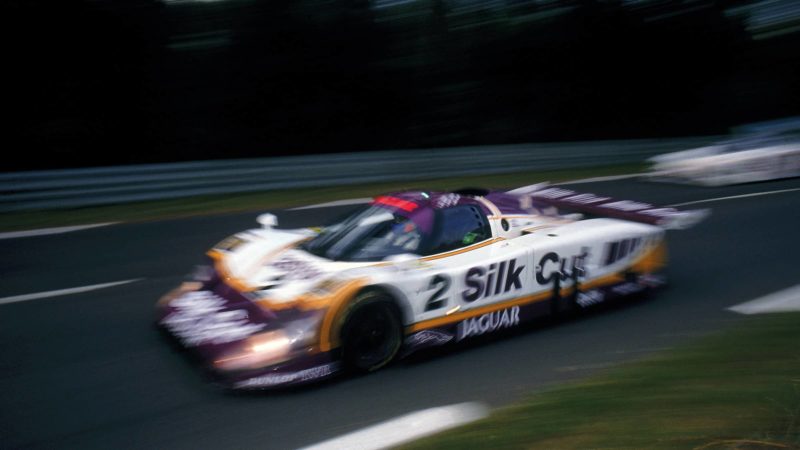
[488,323]
[447,200]
[627,206]
[627,288]
[551,265]
[274,379]
[428,337]
[617,250]
[495,279]
[200,317]
[296,269]
[593,297]
[554,193]
[586,199]
[441,284]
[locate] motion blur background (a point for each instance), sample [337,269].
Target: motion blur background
[102,82]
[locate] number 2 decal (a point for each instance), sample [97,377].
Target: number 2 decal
[441,283]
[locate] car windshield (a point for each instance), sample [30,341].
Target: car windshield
[372,234]
[381,230]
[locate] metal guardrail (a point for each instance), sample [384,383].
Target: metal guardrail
[67,188]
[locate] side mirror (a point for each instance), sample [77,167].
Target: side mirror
[267,220]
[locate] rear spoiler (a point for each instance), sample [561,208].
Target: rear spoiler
[665,217]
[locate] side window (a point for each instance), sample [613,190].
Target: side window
[460,226]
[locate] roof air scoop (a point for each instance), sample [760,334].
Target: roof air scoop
[472,191]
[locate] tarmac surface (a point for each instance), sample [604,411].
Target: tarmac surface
[90,370]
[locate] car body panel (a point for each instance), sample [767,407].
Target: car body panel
[269,312]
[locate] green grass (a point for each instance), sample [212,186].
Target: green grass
[738,389]
[218,204]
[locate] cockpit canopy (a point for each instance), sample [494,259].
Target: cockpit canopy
[393,226]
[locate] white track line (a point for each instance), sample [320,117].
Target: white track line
[732,197]
[601,179]
[75,290]
[350,201]
[406,428]
[46,231]
[786,300]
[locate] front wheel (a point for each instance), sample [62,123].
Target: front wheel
[371,334]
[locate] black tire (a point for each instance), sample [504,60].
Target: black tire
[371,334]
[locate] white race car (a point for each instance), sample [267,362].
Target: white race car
[410,270]
[753,158]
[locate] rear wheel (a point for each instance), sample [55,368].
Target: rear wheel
[371,334]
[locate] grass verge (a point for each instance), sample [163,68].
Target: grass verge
[739,389]
[218,204]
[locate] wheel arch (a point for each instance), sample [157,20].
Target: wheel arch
[334,318]
[395,296]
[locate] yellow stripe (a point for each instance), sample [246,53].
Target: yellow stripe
[519,301]
[649,261]
[440,321]
[514,216]
[225,274]
[463,250]
[603,281]
[328,336]
[541,227]
[241,285]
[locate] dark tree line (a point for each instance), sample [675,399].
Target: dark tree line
[97,82]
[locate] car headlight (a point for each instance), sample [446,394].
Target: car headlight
[259,350]
[272,347]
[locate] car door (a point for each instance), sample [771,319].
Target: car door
[469,267]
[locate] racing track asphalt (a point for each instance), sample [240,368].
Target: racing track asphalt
[89,371]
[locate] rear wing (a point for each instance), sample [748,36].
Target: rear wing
[665,217]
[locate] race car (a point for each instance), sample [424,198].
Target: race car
[407,271]
[750,158]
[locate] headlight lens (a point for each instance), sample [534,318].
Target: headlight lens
[258,350]
[272,347]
